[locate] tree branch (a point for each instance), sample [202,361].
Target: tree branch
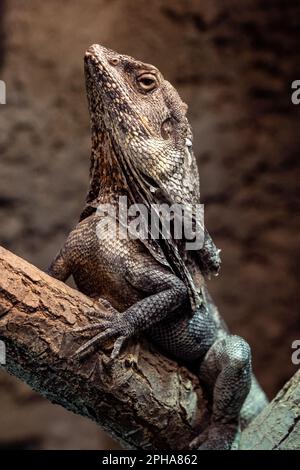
[277,427]
[143,399]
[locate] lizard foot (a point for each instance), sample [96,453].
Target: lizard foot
[218,436]
[112,325]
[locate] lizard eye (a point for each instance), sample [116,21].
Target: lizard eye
[147,81]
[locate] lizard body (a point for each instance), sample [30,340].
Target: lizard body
[142,149]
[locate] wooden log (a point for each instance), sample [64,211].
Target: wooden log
[277,427]
[143,399]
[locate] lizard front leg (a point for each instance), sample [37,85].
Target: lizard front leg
[155,291]
[165,292]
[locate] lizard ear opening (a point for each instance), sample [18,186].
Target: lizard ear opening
[166,128]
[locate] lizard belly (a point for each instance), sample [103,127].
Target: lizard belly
[108,285]
[101,272]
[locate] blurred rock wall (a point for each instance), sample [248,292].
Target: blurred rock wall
[233,63]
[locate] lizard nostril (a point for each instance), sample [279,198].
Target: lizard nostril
[113,60]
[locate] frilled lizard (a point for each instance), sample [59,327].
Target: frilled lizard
[142,149]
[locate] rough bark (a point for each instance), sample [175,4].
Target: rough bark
[143,399]
[277,427]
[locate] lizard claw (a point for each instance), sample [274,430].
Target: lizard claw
[118,346]
[110,327]
[198,440]
[218,436]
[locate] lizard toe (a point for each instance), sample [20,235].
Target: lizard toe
[218,436]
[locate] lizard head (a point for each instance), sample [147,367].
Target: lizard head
[144,119]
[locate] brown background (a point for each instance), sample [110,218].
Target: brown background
[233,63]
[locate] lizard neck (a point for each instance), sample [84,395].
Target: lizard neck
[107,181]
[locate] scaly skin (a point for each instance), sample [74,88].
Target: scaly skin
[142,148]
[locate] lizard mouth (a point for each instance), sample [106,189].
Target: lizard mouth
[108,100]
[92,65]
[111,104]
[99,63]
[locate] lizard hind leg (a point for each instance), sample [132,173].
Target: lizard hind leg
[226,372]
